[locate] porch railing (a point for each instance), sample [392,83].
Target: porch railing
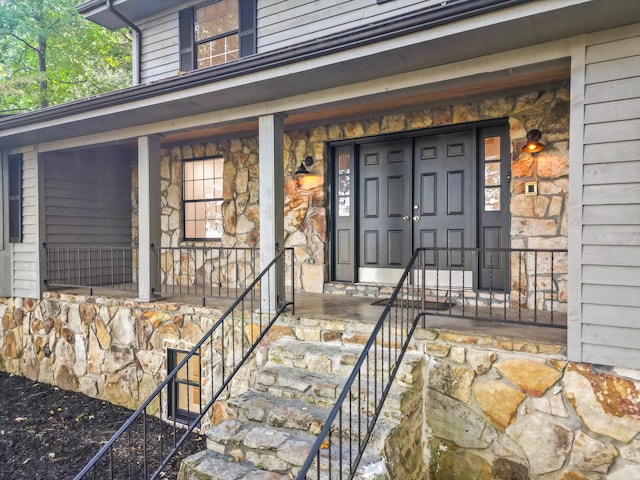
[499,284]
[147,441]
[113,267]
[206,271]
[437,281]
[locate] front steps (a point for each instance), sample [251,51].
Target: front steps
[268,431]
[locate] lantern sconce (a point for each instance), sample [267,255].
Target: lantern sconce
[302,170]
[533,144]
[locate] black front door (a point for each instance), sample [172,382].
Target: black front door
[445,190]
[415,192]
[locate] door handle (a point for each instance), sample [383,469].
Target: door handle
[416,218]
[406,218]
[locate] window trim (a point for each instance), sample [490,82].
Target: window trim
[173,400]
[200,200]
[15,198]
[247,11]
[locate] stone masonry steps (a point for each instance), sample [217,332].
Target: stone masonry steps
[268,431]
[210,465]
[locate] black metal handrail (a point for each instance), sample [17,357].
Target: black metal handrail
[341,443]
[222,351]
[340,446]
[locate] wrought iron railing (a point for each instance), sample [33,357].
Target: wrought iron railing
[341,444]
[112,267]
[499,284]
[206,271]
[147,441]
[435,282]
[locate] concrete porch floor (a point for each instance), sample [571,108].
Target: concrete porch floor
[360,309]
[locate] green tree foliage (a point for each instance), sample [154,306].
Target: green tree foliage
[49,54]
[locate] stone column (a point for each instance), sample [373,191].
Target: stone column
[271,141]
[148,216]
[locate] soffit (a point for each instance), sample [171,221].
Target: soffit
[98,12]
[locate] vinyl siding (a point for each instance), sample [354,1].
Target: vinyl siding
[88,198]
[160,47]
[25,259]
[5,251]
[280,24]
[610,283]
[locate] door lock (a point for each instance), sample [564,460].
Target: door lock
[416,218]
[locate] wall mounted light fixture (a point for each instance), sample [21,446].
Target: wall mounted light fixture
[302,170]
[533,144]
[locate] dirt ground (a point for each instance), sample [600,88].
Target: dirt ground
[48,433]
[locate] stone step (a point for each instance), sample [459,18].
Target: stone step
[275,449]
[322,390]
[274,411]
[283,450]
[209,465]
[326,358]
[314,356]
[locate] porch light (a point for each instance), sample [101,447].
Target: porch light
[302,170]
[533,144]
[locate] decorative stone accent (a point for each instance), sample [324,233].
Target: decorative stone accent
[533,378]
[453,462]
[545,442]
[591,455]
[607,404]
[498,402]
[457,422]
[452,380]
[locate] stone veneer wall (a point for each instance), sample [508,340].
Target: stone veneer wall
[492,408]
[498,409]
[108,348]
[536,221]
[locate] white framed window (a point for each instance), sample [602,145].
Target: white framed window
[202,198]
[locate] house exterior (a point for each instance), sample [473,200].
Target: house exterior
[231,98]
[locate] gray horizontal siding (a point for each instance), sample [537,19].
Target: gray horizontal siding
[160,47]
[610,255]
[282,23]
[25,257]
[87,199]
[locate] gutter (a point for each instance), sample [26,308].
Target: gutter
[137,56]
[368,34]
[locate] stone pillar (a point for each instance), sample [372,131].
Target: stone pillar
[271,141]
[148,216]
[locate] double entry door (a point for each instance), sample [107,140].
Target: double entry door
[424,191]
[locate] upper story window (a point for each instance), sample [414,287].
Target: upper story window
[217,32]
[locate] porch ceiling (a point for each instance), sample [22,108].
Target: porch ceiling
[543,76]
[257,85]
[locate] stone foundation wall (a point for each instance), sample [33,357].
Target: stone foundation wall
[498,409]
[107,348]
[536,221]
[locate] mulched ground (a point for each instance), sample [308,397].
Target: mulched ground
[48,433]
